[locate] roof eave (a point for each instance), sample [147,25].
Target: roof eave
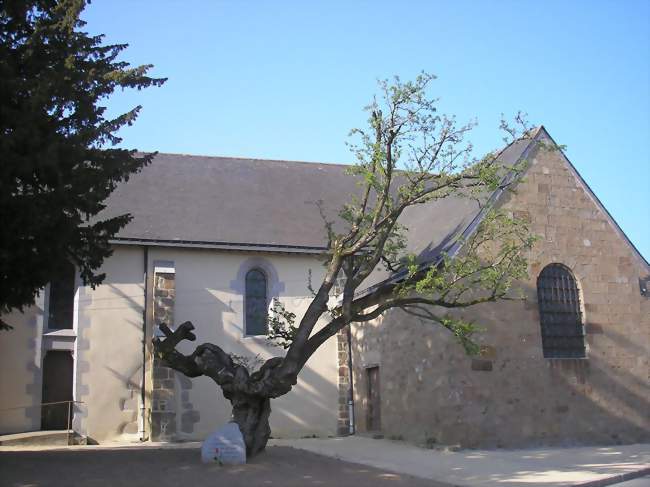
[230,246]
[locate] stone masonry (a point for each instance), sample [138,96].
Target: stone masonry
[343,425]
[510,395]
[163,411]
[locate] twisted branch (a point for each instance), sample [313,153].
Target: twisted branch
[210,360]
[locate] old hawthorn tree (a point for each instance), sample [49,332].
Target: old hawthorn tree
[408,155]
[57,163]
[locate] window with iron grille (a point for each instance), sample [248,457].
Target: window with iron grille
[563,333]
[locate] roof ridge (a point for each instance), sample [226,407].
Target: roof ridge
[253,159]
[533,133]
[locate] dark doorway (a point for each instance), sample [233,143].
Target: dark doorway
[57,387]
[374,400]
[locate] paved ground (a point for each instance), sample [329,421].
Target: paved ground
[299,463]
[640,482]
[147,466]
[547,467]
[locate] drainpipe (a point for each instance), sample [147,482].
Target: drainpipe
[351,379]
[145,306]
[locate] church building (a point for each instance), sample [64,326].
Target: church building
[215,239]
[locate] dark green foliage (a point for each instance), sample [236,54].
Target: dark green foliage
[57,160]
[282,325]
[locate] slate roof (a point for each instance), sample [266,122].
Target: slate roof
[222,201]
[269,205]
[228,202]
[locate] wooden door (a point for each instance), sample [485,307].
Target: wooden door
[57,386]
[374,399]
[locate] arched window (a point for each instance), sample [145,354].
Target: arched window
[255,301]
[563,333]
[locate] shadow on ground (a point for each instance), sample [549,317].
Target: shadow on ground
[278,466]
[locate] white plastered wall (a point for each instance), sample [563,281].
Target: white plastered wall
[108,345]
[209,293]
[20,370]
[109,348]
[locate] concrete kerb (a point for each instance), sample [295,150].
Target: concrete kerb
[616,479]
[154,445]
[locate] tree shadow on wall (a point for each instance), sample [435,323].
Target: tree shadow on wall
[431,392]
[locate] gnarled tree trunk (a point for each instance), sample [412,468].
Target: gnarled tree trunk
[252,416]
[249,394]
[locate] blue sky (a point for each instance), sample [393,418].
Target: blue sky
[288,80]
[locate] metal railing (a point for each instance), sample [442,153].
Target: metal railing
[51,412]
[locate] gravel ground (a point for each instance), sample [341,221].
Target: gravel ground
[133,467]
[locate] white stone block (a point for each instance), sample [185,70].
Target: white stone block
[225,446]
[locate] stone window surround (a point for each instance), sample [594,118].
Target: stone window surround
[583,312]
[273,286]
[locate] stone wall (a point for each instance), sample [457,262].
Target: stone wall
[509,396]
[343,424]
[163,407]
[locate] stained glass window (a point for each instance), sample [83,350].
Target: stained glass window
[256,303]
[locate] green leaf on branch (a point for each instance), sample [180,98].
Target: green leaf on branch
[282,328]
[463,332]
